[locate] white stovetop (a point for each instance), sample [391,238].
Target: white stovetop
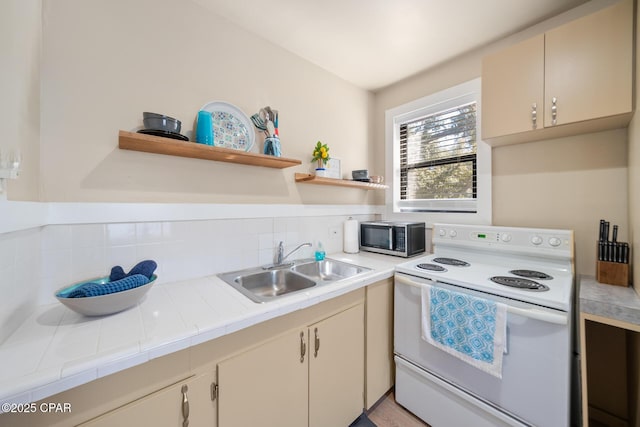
[56,349]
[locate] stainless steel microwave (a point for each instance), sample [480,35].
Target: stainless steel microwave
[403,239]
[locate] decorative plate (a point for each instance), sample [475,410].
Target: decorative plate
[103,304]
[231,127]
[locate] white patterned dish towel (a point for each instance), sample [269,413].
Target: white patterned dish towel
[470,328]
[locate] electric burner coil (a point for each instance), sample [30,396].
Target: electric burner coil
[451,261]
[531,274]
[431,267]
[520,283]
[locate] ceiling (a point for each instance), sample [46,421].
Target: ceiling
[374,43]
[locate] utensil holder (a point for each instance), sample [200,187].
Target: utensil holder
[272,146]
[612,273]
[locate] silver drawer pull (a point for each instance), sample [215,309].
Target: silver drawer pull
[185,406]
[317,343]
[534,115]
[303,347]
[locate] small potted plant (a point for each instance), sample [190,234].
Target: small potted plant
[321,156]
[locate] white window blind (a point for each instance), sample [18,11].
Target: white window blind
[438,156]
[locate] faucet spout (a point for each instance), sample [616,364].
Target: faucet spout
[280,251]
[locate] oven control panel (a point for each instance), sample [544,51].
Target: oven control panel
[514,238]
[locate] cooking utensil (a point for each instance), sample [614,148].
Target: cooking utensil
[275,122]
[257,122]
[264,115]
[271,129]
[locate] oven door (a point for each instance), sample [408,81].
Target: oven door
[535,384]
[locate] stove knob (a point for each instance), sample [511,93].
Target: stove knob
[453,233]
[536,240]
[506,237]
[442,232]
[554,241]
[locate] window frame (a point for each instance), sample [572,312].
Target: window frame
[476,211]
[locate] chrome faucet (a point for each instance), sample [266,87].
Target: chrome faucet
[279,258]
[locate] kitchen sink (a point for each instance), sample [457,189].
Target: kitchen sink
[264,285]
[328,270]
[269,284]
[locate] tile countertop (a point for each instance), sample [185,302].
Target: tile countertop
[56,349]
[613,302]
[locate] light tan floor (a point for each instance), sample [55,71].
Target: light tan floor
[387,413]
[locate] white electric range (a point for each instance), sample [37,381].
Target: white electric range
[531,271]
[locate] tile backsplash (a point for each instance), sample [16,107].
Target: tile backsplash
[35,263]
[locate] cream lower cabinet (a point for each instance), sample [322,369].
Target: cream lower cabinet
[189,400]
[266,385]
[379,341]
[336,369]
[311,376]
[572,79]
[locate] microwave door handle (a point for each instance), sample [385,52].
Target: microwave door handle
[392,244]
[532,313]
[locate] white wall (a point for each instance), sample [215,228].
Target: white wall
[20,50]
[107,61]
[564,183]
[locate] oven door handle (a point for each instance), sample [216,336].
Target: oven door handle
[532,313]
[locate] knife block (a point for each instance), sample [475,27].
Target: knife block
[612,273]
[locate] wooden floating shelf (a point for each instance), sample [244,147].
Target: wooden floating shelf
[307,178]
[173,147]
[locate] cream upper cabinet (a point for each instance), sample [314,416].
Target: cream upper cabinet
[336,369]
[190,400]
[266,385]
[573,79]
[588,66]
[513,89]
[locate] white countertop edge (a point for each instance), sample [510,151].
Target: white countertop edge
[76,373]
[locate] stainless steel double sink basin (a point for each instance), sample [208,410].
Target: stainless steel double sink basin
[264,285]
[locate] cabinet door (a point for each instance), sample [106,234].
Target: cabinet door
[267,385]
[379,340]
[336,369]
[512,83]
[164,408]
[588,66]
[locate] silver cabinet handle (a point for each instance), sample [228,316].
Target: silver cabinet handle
[185,406]
[534,115]
[316,343]
[554,111]
[303,347]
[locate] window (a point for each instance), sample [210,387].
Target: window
[440,167]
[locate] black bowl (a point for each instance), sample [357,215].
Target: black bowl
[161,122]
